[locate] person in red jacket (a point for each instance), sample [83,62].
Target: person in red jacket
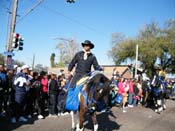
[44,93]
[131,93]
[123,88]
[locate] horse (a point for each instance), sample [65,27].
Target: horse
[158,91]
[92,97]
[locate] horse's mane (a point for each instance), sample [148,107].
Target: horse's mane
[98,78]
[96,83]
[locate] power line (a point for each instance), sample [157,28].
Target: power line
[72,20]
[61,14]
[4,6]
[30,10]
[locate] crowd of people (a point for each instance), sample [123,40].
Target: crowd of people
[131,92]
[24,92]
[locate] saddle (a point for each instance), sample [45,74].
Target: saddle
[72,100]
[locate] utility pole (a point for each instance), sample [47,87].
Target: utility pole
[136,65]
[33,62]
[13,23]
[8,59]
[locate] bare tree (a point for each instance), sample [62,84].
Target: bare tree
[67,49]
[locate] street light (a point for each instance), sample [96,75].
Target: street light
[136,64]
[63,39]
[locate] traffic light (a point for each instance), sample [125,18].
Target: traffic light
[17,41]
[70,1]
[20,43]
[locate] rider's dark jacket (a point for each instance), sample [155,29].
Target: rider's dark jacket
[83,66]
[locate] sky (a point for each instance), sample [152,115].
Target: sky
[93,20]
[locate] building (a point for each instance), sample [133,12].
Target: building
[123,70]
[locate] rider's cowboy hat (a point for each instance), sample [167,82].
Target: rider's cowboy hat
[88,42]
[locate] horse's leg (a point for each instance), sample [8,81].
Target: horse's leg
[159,107]
[163,102]
[81,115]
[94,119]
[156,103]
[73,121]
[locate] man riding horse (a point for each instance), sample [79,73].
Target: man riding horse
[93,89]
[83,61]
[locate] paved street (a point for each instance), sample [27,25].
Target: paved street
[135,119]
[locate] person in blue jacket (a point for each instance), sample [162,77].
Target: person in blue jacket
[3,90]
[21,82]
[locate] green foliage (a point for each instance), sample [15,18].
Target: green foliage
[154,43]
[16,62]
[19,63]
[52,60]
[60,64]
[1,59]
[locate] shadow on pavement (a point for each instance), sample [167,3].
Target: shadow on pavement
[6,125]
[104,122]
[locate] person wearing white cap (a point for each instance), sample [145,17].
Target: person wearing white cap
[30,95]
[20,83]
[24,67]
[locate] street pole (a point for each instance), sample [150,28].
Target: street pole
[9,60]
[33,62]
[136,65]
[13,23]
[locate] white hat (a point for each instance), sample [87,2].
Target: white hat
[15,66]
[24,67]
[60,74]
[18,69]
[30,69]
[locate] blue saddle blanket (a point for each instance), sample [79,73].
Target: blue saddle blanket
[72,101]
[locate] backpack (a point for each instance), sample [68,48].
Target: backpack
[118,98]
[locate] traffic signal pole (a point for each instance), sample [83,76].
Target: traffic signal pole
[13,23]
[8,59]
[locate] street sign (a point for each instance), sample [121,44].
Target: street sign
[9,53]
[10,63]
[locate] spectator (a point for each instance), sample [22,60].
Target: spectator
[44,93]
[20,83]
[131,93]
[3,89]
[30,98]
[53,93]
[62,94]
[123,88]
[137,92]
[38,90]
